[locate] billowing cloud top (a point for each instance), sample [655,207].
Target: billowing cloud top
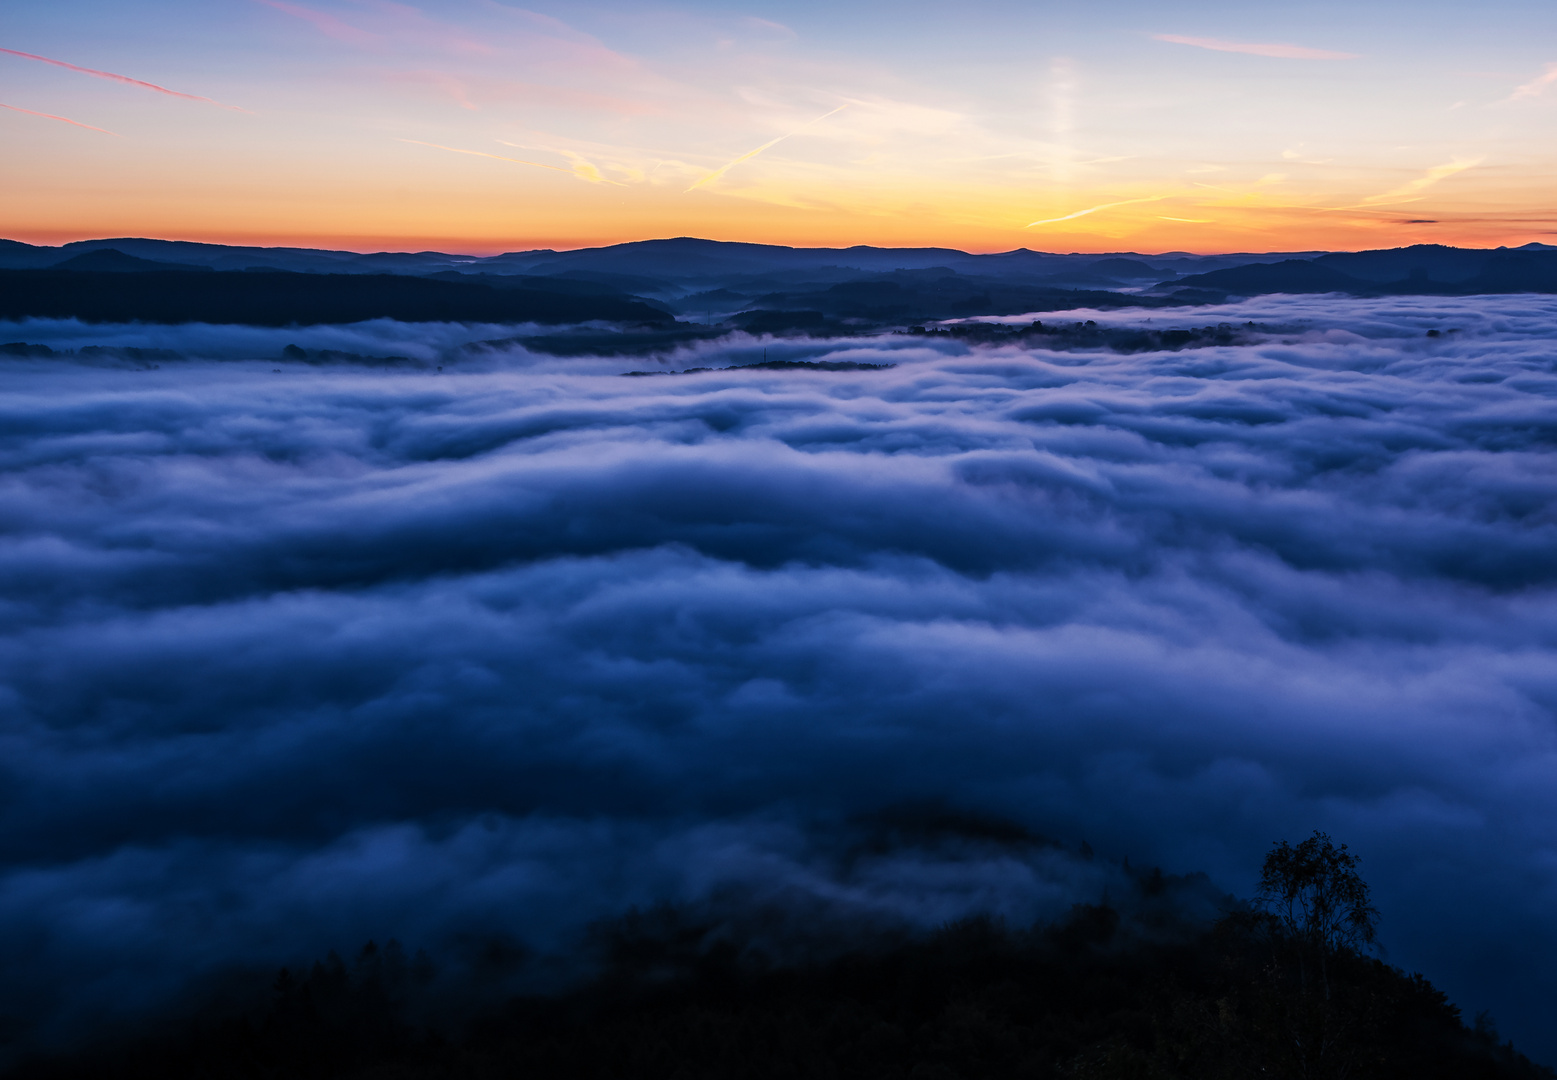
[293,659]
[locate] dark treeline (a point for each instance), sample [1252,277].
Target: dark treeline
[1287,990]
[1089,335]
[278,298]
[774,365]
[146,358]
[1425,270]
[915,295]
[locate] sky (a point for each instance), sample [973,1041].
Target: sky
[480,126]
[294,656]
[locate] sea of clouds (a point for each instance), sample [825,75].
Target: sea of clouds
[293,656]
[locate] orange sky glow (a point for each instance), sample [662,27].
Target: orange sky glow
[473,126]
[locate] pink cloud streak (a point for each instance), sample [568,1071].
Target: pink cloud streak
[118,78]
[1536,86]
[1283,52]
[410,22]
[61,119]
[326,24]
[392,21]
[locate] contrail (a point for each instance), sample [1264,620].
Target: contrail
[495,157]
[120,78]
[61,119]
[1409,192]
[1093,210]
[717,173]
[1406,193]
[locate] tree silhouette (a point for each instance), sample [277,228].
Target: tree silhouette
[1317,896]
[1140,991]
[1321,920]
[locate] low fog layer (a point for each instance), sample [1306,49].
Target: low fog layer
[298,655]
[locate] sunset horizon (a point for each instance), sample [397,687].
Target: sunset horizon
[483,127]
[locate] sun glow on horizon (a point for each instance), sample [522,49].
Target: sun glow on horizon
[1125,136]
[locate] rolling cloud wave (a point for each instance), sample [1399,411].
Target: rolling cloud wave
[291,660]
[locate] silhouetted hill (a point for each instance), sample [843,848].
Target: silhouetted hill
[776,288]
[281,299]
[1422,270]
[708,261]
[1093,996]
[1434,262]
[917,295]
[215,256]
[1124,269]
[112,260]
[1516,271]
[681,259]
[1290,276]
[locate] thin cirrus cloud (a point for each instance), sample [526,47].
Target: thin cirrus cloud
[448,85]
[727,166]
[1094,210]
[581,169]
[61,119]
[1536,86]
[475,92]
[1410,192]
[1280,51]
[391,23]
[96,74]
[580,66]
[326,24]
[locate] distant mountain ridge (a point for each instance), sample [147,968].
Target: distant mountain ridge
[675,258]
[709,284]
[1425,269]
[112,260]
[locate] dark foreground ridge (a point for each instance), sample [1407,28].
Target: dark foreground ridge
[974,1000]
[1283,989]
